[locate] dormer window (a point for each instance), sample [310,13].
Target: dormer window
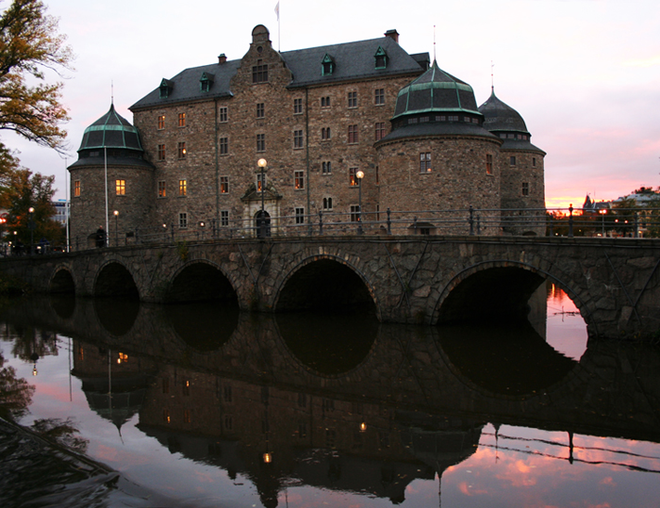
[206,81]
[327,65]
[166,87]
[380,58]
[260,72]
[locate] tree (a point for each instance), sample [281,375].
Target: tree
[30,44]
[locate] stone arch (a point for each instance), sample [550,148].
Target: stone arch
[466,282]
[62,281]
[284,301]
[114,279]
[200,280]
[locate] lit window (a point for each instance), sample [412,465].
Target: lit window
[425,162]
[224,184]
[161,122]
[186,387]
[161,189]
[298,179]
[352,177]
[120,187]
[380,130]
[76,188]
[224,146]
[327,203]
[261,177]
[325,102]
[379,96]
[183,187]
[326,167]
[186,416]
[352,99]
[261,112]
[166,415]
[161,152]
[298,139]
[489,164]
[355,213]
[352,133]
[224,218]
[261,142]
[182,119]
[181,149]
[300,215]
[183,220]
[297,106]
[525,188]
[325,133]
[260,72]
[222,116]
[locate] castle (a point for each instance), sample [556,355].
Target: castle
[277,142]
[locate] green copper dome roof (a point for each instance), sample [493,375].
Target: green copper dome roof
[111,131]
[438,92]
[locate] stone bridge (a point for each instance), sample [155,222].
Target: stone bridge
[615,283]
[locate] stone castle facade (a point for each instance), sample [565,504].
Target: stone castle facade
[345,131]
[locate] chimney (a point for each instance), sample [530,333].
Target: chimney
[222,58]
[393,34]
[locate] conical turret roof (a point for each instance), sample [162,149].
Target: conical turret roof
[500,117]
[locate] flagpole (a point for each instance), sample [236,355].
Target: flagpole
[279,31]
[105,160]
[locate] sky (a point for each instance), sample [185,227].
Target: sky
[584,74]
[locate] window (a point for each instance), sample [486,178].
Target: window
[326,167]
[228,422]
[355,213]
[183,187]
[380,58]
[299,179]
[186,387]
[166,415]
[261,142]
[327,204]
[224,184]
[161,152]
[380,130]
[186,416]
[162,191]
[161,122]
[298,139]
[183,220]
[327,65]
[379,96]
[533,162]
[222,116]
[76,188]
[224,146]
[261,112]
[325,102]
[226,392]
[425,162]
[260,72]
[182,119]
[525,189]
[489,164]
[352,133]
[512,160]
[166,385]
[352,99]
[452,118]
[300,215]
[325,133]
[297,106]
[181,150]
[120,187]
[205,82]
[352,178]
[259,181]
[224,218]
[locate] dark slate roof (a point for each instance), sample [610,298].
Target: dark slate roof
[438,129]
[436,91]
[111,131]
[499,116]
[353,60]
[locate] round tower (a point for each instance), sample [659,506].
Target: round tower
[439,157]
[521,169]
[110,166]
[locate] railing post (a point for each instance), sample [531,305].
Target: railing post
[320,222]
[471,221]
[570,220]
[478,224]
[415,224]
[389,222]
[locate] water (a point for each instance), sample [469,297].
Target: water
[203,406]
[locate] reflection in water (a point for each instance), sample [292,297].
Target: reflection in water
[204,326]
[117,315]
[328,343]
[63,305]
[506,359]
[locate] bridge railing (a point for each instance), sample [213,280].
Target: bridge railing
[619,222]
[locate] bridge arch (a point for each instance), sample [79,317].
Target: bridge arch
[201,280]
[325,282]
[62,281]
[114,279]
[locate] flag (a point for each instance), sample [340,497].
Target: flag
[277,10]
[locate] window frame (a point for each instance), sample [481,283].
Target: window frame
[260,72]
[425,163]
[223,145]
[162,189]
[351,99]
[76,188]
[261,110]
[379,96]
[181,149]
[224,185]
[352,177]
[261,142]
[379,130]
[297,106]
[299,213]
[160,122]
[353,137]
[183,220]
[298,139]
[223,114]
[182,119]
[183,187]
[326,167]
[161,152]
[224,218]
[120,187]
[299,179]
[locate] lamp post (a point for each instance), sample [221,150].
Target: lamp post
[116,214]
[359,175]
[263,165]
[31,228]
[602,213]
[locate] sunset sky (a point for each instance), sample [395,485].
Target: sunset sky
[584,74]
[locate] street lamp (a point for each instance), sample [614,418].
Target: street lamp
[116,213]
[602,213]
[359,175]
[31,228]
[263,165]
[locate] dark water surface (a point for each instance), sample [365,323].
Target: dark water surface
[200,405]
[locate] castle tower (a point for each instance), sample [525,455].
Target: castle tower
[113,143]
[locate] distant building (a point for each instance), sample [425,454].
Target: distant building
[61,211]
[321,117]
